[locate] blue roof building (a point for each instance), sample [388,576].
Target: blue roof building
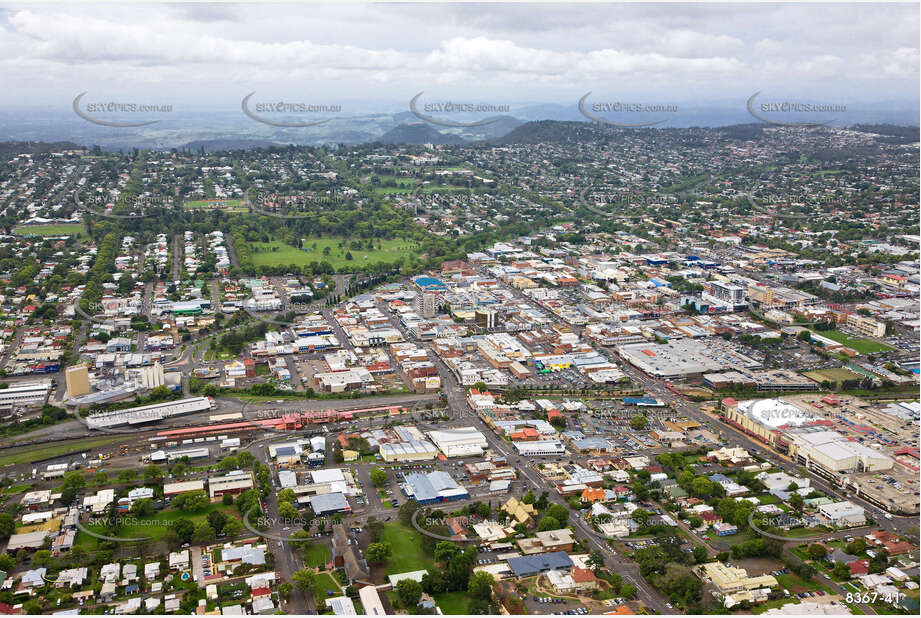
[526,566]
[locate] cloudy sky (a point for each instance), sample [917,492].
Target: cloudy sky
[367,55]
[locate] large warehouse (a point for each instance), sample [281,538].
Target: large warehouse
[149,414]
[460,441]
[437,486]
[413,450]
[834,453]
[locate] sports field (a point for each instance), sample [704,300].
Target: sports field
[861,345]
[51,229]
[277,253]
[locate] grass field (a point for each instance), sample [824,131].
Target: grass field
[153,527]
[217,204]
[16,489]
[276,253]
[794,583]
[763,607]
[36,452]
[325,582]
[833,375]
[52,229]
[453,603]
[407,554]
[861,345]
[317,554]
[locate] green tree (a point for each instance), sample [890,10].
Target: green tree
[817,551]
[7,525]
[378,477]
[409,591]
[548,523]
[232,527]
[203,533]
[841,571]
[638,422]
[378,553]
[143,507]
[480,586]
[304,580]
[595,561]
[700,554]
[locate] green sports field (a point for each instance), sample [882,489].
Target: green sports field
[861,345]
[52,229]
[277,253]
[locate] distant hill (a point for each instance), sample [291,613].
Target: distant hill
[545,131]
[16,148]
[898,134]
[229,143]
[749,131]
[418,133]
[498,126]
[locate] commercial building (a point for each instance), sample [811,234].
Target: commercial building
[832,453]
[727,579]
[547,541]
[413,450]
[25,394]
[727,292]
[327,504]
[540,448]
[843,514]
[174,489]
[234,483]
[437,486]
[865,326]
[459,441]
[684,358]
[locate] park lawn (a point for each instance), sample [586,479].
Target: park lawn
[325,582]
[276,253]
[453,603]
[51,229]
[155,526]
[217,204]
[863,346]
[763,607]
[407,553]
[25,455]
[794,583]
[317,554]
[804,532]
